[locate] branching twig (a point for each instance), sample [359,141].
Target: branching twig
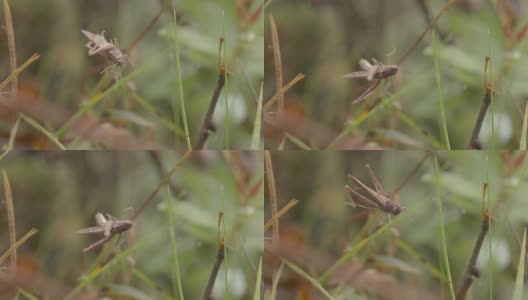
[163,182]
[410,175]
[431,25]
[207,125]
[214,272]
[473,142]
[145,31]
[156,159]
[422,4]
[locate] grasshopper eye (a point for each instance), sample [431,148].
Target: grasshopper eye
[396,210]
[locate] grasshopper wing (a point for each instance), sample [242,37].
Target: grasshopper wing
[91,230]
[357,74]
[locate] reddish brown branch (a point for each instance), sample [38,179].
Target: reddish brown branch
[207,125]
[472,271]
[145,31]
[219,259]
[165,180]
[473,142]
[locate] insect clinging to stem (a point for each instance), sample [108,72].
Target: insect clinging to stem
[107,227]
[99,45]
[377,71]
[379,199]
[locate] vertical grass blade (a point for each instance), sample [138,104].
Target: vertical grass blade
[256,296]
[10,219]
[519,281]
[227,117]
[440,95]
[522,144]
[180,85]
[176,267]
[442,233]
[255,139]
[11,45]
[226,263]
[492,140]
[278,62]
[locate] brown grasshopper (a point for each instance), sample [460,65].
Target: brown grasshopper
[99,45]
[108,227]
[379,198]
[377,71]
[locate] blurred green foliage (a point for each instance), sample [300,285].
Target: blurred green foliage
[67,76]
[59,193]
[329,227]
[326,39]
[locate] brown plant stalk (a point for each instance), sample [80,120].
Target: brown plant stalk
[207,125]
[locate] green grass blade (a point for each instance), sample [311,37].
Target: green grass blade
[227,117]
[360,245]
[98,271]
[519,281]
[180,85]
[435,272]
[176,267]
[440,95]
[43,130]
[256,296]
[150,283]
[166,121]
[297,142]
[308,278]
[492,140]
[26,294]
[364,116]
[522,144]
[435,144]
[226,262]
[442,233]
[94,100]
[255,139]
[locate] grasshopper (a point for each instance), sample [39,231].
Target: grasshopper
[379,198]
[377,71]
[99,45]
[108,227]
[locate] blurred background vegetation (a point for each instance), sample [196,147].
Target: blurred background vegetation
[325,39]
[405,261]
[59,193]
[146,111]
